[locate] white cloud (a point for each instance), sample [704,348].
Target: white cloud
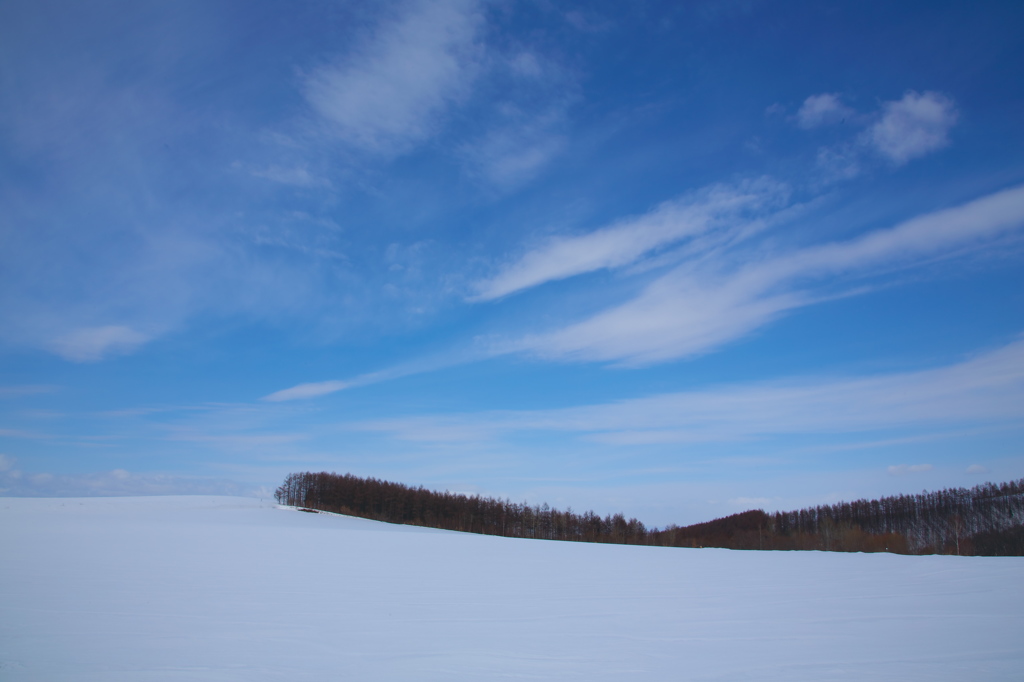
[620,244]
[912,126]
[91,344]
[429,364]
[509,156]
[977,469]
[676,316]
[310,390]
[987,389]
[824,109]
[900,469]
[710,301]
[391,91]
[6,462]
[904,129]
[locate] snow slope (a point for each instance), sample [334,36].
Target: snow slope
[220,588]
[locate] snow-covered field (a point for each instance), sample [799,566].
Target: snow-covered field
[221,588]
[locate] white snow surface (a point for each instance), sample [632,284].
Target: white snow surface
[223,588]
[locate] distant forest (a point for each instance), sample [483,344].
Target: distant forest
[985,520]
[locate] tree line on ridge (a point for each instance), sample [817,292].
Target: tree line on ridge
[984,520]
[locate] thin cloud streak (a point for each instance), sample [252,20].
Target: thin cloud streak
[985,390]
[901,469]
[707,302]
[626,241]
[430,364]
[94,343]
[310,390]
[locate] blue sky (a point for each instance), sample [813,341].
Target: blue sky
[673,259]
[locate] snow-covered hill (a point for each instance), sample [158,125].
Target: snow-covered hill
[220,588]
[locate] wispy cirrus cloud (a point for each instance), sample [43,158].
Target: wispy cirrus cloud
[391,91]
[624,242]
[321,388]
[715,298]
[91,344]
[511,154]
[986,390]
[308,390]
[527,126]
[901,469]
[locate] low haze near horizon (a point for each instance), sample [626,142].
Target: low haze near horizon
[671,259]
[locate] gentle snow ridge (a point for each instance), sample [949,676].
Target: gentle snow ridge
[221,588]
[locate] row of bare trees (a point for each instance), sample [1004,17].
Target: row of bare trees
[371,498]
[986,519]
[947,521]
